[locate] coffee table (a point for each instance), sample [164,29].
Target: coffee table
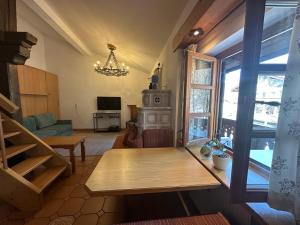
[70,143]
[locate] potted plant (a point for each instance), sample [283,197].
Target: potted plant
[219,155]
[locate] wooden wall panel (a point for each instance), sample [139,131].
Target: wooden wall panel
[39,91]
[53,94]
[33,104]
[32,81]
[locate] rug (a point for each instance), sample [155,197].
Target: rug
[95,143]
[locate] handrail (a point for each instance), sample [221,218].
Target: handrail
[8,105]
[2,145]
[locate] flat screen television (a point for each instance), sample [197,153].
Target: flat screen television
[109,103]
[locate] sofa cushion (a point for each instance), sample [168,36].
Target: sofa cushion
[45,120]
[59,128]
[30,123]
[45,133]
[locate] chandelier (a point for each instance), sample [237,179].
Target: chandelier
[112,66]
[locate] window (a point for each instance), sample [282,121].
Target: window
[264,55]
[199,110]
[268,98]
[277,30]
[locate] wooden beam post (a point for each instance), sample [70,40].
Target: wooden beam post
[8,73]
[14,49]
[246,101]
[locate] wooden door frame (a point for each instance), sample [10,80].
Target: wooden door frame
[214,87]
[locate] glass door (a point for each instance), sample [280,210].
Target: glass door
[200,98]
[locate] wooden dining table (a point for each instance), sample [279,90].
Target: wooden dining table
[148,170]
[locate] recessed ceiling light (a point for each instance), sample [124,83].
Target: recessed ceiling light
[196,32]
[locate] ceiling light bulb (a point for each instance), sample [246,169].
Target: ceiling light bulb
[196,33]
[123,64]
[95,65]
[98,62]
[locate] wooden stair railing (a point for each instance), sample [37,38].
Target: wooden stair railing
[2,145]
[24,181]
[11,108]
[7,105]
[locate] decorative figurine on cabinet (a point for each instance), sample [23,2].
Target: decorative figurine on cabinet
[155,78]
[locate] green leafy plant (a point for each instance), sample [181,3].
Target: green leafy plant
[213,144]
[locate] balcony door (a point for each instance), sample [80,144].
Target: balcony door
[200,98]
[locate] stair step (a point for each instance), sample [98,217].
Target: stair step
[17,149]
[10,134]
[30,164]
[47,177]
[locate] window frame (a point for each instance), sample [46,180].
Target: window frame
[263,68]
[250,69]
[188,87]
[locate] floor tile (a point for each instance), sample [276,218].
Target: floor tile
[38,221]
[72,180]
[90,219]
[110,218]
[66,220]
[79,192]
[5,210]
[19,215]
[113,204]
[49,208]
[92,205]
[71,207]
[62,192]
[100,213]
[12,222]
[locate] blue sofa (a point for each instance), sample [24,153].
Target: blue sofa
[45,125]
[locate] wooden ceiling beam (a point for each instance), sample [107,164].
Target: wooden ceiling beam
[205,15]
[49,15]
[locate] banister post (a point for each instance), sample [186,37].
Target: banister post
[2,145]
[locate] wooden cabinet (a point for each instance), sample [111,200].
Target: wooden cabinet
[53,94]
[38,91]
[32,81]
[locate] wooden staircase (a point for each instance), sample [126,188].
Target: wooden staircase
[27,164]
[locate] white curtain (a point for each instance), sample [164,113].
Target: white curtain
[284,188]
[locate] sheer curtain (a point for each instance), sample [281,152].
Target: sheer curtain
[284,189]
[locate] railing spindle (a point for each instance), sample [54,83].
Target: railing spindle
[2,145]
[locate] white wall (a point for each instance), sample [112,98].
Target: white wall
[79,85]
[173,70]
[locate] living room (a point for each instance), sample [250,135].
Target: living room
[146,112]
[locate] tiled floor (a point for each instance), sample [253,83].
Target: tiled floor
[68,203]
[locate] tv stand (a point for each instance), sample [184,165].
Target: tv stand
[107,121]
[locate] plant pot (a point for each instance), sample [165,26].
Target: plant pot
[220,161]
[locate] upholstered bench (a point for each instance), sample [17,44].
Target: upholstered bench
[211,219]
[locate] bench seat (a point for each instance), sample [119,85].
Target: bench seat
[210,219]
